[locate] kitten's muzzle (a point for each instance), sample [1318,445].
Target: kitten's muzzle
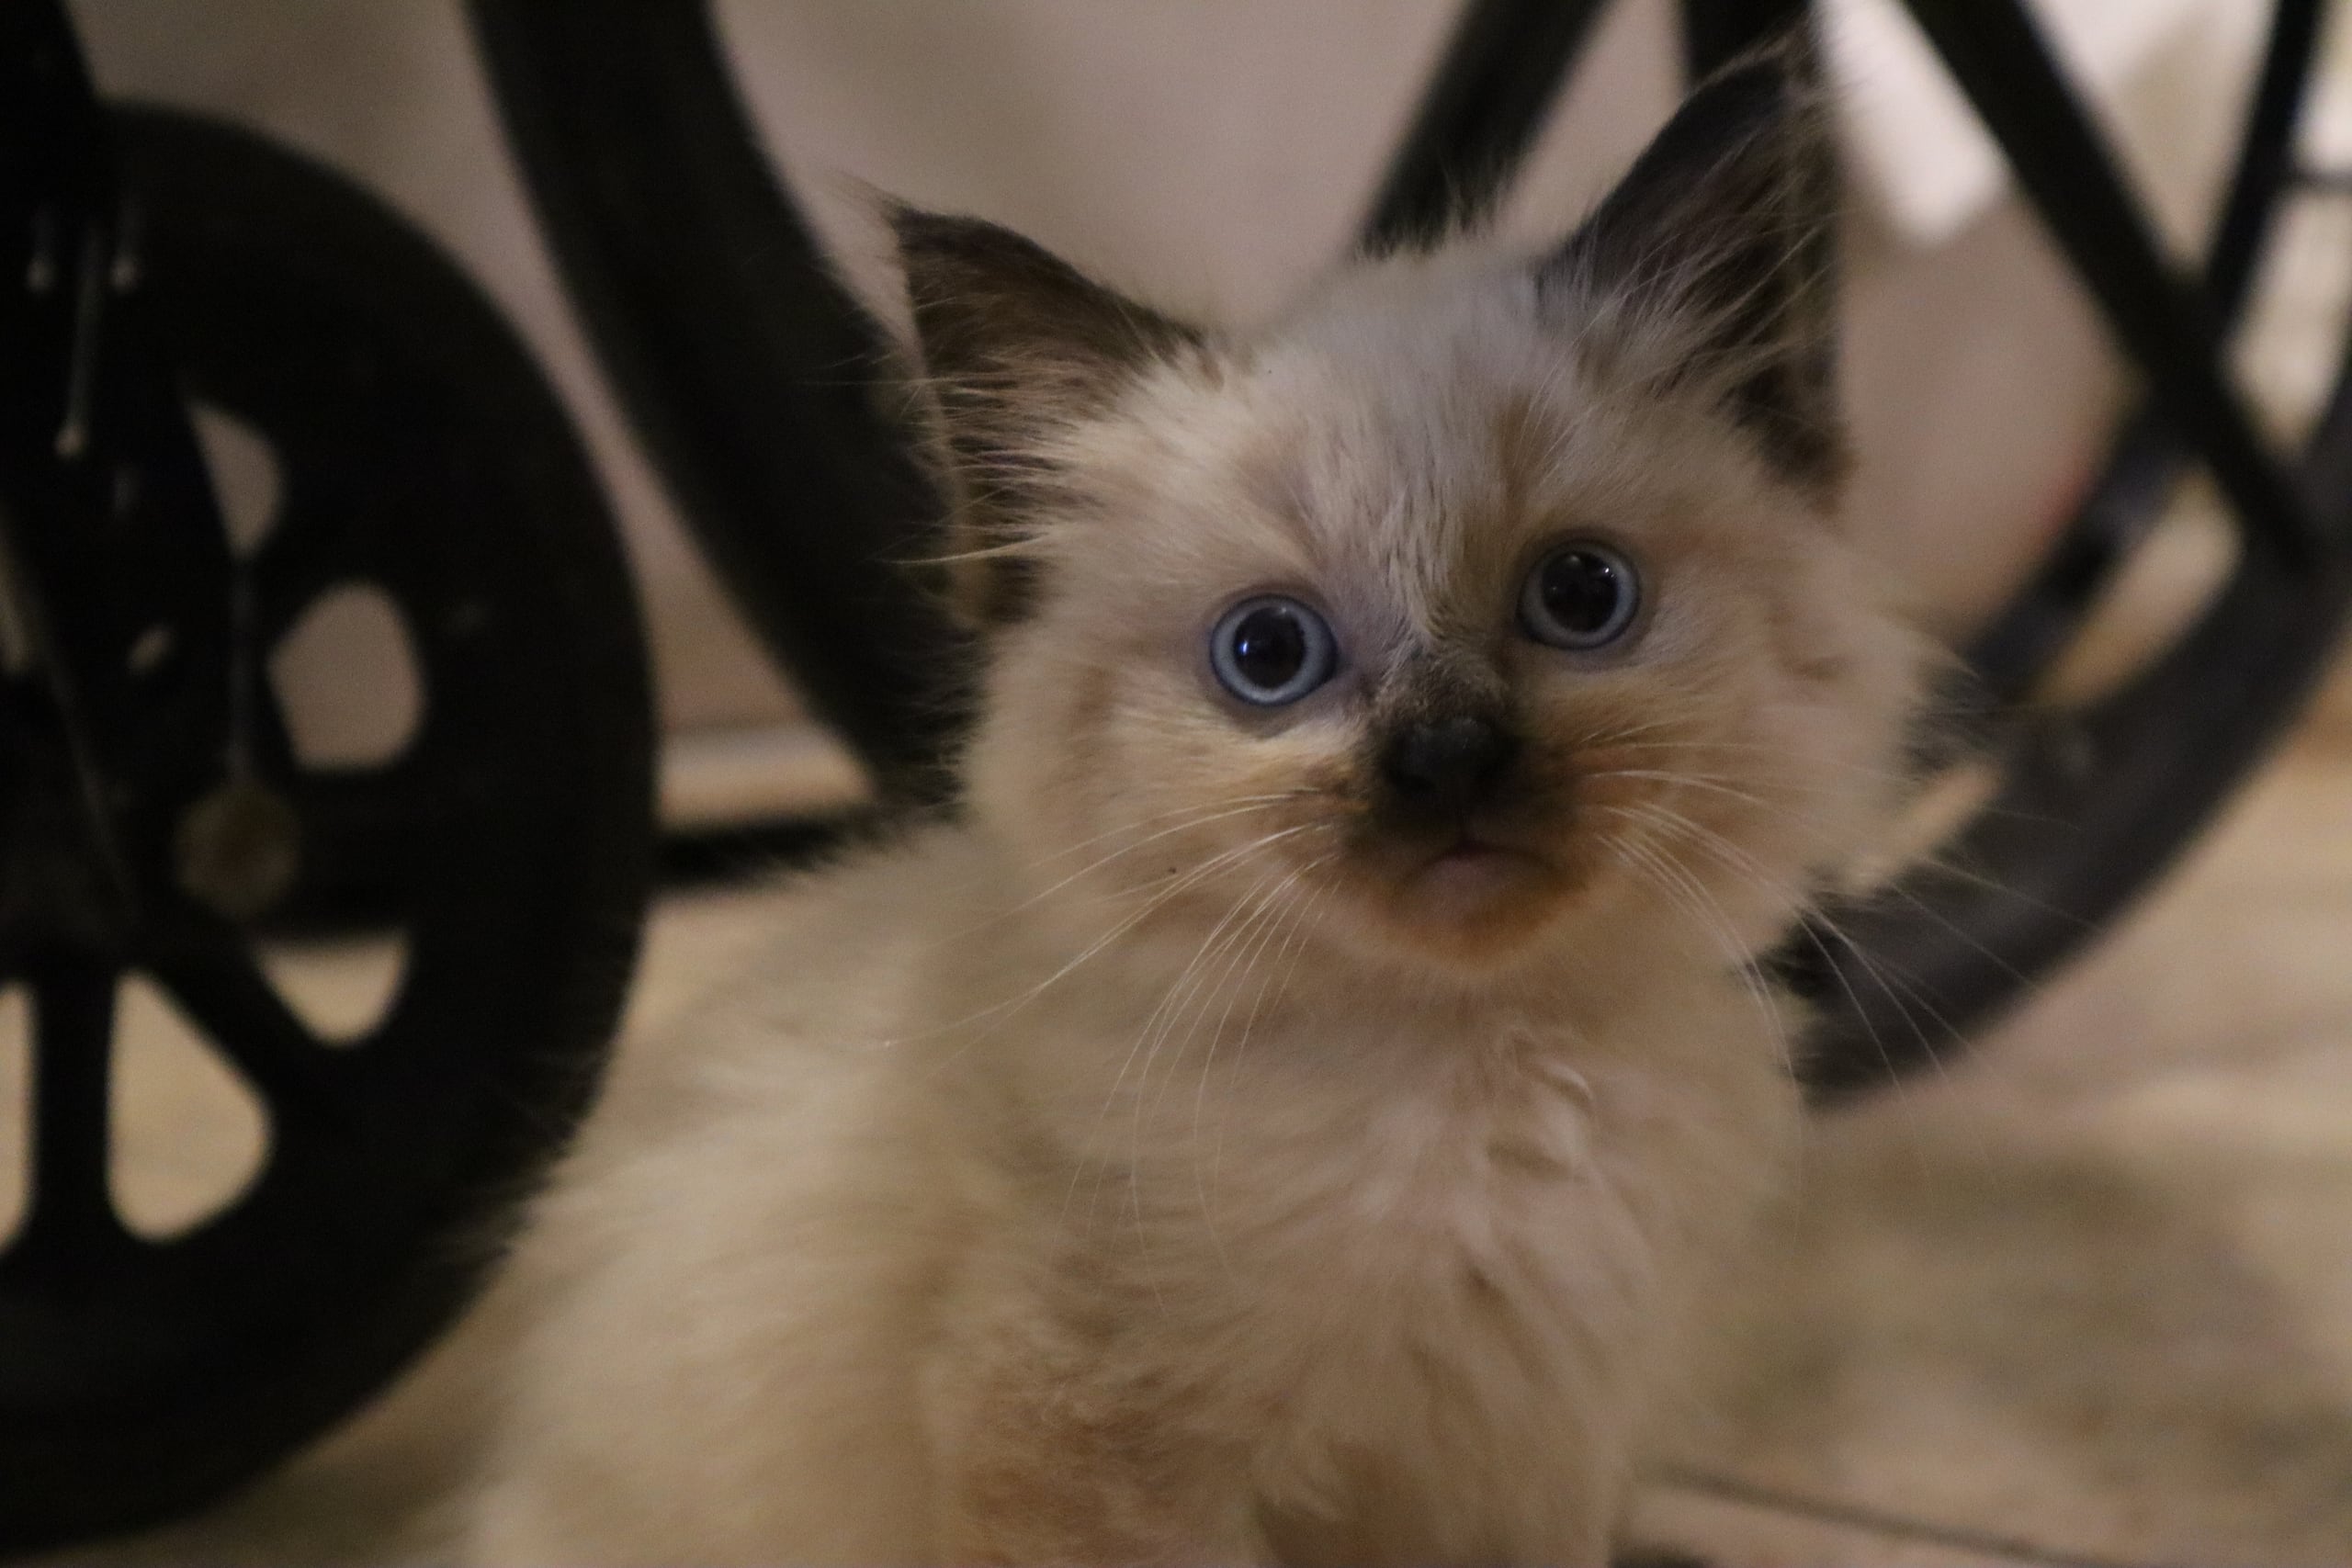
[1439,770]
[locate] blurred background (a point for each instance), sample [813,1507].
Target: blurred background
[2083,1297]
[1214,156]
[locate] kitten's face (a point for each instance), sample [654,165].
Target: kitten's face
[1411,618]
[1484,612]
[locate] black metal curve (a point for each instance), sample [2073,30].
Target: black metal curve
[2009,655]
[2169,329]
[1479,117]
[2266,156]
[2093,809]
[750,372]
[2094,805]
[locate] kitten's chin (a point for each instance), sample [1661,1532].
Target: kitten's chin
[1470,883]
[1475,905]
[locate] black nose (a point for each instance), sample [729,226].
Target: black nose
[1446,764]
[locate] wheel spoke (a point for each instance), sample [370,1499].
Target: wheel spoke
[1997,53]
[304,556]
[210,972]
[71,1214]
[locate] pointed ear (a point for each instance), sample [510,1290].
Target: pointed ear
[1016,345]
[1723,236]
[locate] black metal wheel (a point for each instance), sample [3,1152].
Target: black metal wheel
[631,137]
[158,810]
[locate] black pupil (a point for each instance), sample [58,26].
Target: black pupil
[1269,648]
[1581,590]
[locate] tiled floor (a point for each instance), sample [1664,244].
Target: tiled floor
[2090,1292]
[2086,1296]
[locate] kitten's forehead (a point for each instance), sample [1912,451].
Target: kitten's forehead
[1400,448]
[1412,428]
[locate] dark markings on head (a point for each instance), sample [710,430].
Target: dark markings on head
[1014,342]
[1727,221]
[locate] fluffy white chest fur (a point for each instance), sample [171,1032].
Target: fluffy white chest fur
[1295,1110]
[831,1280]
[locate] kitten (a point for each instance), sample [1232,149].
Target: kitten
[1295,1110]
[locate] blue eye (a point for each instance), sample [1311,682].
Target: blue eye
[1580,596]
[1272,650]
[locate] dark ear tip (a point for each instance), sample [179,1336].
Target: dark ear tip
[946,253]
[1792,51]
[921,234]
[904,218]
[1760,86]
[1770,98]
[909,223]
[1779,79]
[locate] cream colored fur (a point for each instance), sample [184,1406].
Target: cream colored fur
[1151,1165]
